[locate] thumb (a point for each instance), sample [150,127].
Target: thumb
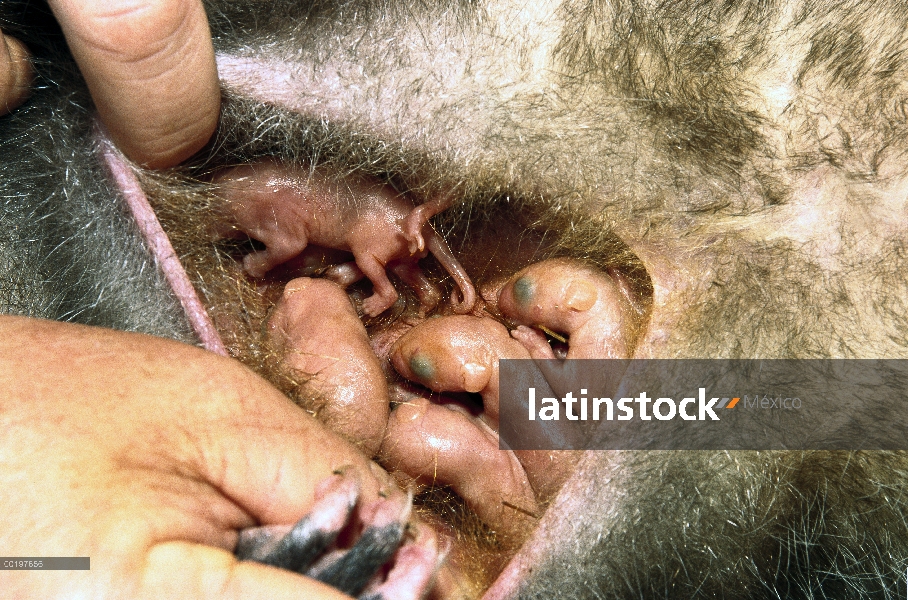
[149,65]
[15,73]
[186,570]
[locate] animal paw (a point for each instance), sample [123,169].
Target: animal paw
[376,304]
[385,561]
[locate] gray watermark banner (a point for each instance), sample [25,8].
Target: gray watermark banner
[701,404]
[44,563]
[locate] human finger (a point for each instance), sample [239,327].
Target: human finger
[149,65]
[218,420]
[187,570]
[15,73]
[145,453]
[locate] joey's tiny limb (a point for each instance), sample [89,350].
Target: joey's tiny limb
[534,341]
[415,223]
[384,295]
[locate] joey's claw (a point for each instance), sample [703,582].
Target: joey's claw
[412,229]
[415,243]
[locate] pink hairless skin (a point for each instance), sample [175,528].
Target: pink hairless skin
[441,441]
[320,335]
[567,296]
[288,209]
[457,354]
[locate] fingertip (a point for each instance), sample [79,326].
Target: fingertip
[16,73]
[150,68]
[173,99]
[167,143]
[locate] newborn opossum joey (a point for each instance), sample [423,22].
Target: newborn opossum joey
[595,309]
[458,354]
[567,296]
[315,327]
[288,209]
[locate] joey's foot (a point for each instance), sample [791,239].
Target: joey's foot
[419,216]
[376,304]
[257,264]
[534,341]
[412,229]
[381,564]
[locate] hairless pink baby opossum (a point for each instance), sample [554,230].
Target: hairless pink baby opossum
[569,297]
[458,354]
[288,209]
[461,354]
[320,335]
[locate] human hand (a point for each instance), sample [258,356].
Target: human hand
[148,456]
[15,73]
[149,65]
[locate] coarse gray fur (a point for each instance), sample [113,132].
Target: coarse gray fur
[71,251]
